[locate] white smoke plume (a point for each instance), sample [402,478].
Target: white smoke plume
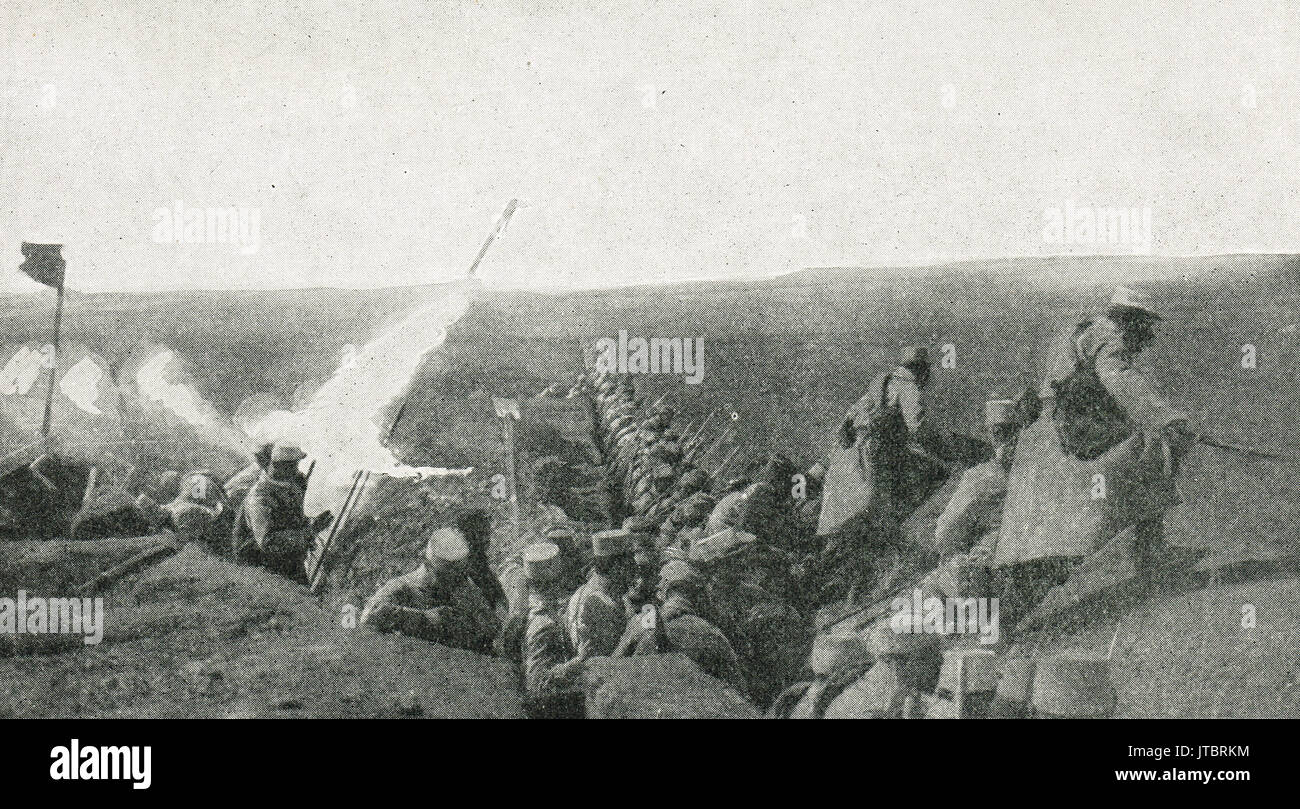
[338,428]
[153,382]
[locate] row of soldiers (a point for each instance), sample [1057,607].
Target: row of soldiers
[652,584]
[729,574]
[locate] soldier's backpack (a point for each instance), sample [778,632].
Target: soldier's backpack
[884,430]
[1087,418]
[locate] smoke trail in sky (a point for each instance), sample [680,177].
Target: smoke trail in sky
[338,428]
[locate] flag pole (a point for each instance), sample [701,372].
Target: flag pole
[54,372]
[512,480]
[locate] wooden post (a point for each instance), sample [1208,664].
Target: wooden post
[54,372]
[508,410]
[509,435]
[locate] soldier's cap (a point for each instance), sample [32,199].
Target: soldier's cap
[1129,298]
[261,448]
[837,650]
[541,562]
[978,667]
[664,472]
[1075,685]
[446,545]
[673,553]
[694,478]
[696,507]
[680,572]
[914,355]
[613,542]
[1000,411]
[287,452]
[883,641]
[722,545]
[559,532]
[626,436]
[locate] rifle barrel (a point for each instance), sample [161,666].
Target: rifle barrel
[1210,441]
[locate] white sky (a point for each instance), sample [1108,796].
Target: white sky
[645,141]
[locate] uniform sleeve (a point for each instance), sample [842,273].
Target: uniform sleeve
[483,622]
[730,667]
[257,512]
[906,396]
[383,612]
[493,592]
[545,671]
[1130,386]
[600,627]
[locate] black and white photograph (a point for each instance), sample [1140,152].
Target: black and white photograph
[746,359]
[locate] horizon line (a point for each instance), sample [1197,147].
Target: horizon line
[694,279]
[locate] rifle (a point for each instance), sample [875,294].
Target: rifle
[690,456]
[359,481]
[686,430]
[695,439]
[654,404]
[1244,450]
[723,465]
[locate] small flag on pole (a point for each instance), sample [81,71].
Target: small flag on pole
[506,407]
[44,263]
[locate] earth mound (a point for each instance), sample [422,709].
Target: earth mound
[197,636]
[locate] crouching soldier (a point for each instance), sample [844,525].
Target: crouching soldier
[571,571]
[596,616]
[436,601]
[551,671]
[767,633]
[679,625]
[271,529]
